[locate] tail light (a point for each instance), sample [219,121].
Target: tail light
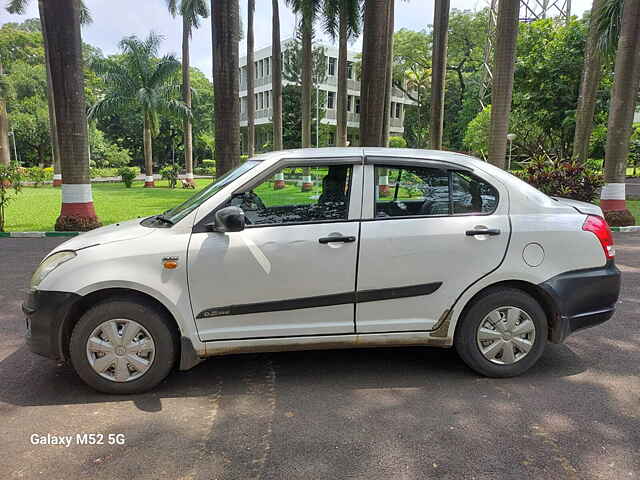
[598,226]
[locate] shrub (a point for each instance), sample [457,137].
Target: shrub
[211,172]
[115,156]
[48,173]
[36,175]
[397,142]
[170,173]
[10,178]
[127,174]
[207,162]
[562,178]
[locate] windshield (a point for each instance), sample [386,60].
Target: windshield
[178,213]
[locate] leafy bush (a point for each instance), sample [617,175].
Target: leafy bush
[562,178]
[397,142]
[127,174]
[36,175]
[170,173]
[211,172]
[10,178]
[48,173]
[207,162]
[476,137]
[109,172]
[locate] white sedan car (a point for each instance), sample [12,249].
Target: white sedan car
[328,248]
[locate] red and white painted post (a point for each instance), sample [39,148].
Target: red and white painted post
[149,182]
[78,212]
[278,184]
[57,180]
[613,197]
[189,178]
[307,183]
[383,184]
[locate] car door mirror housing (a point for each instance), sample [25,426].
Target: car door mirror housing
[228,219]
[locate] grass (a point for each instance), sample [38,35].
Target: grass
[36,209]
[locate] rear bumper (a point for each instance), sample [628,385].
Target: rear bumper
[582,298]
[45,313]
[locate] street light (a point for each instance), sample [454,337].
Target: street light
[15,150]
[511,137]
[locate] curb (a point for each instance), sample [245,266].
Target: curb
[37,234]
[634,228]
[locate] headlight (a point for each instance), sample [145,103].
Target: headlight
[48,265]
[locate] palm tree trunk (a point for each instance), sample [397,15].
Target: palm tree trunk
[388,86]
[502,88]
[341,116]
[251,80]
[276,76]
[62,23]
[186,97]
[307,82]
[148,153]
[439,70]
[53,127]
[588,89]
[374,72]
[5,152]
[621,110]
[225,31]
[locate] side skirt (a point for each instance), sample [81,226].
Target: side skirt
[324,342]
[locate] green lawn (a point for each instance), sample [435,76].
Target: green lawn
[36,209]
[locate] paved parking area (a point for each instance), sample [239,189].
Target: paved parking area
[378,413]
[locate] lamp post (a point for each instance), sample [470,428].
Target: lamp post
[15,150]
[511,137]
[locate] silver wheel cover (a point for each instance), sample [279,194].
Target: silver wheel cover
[120,350]
[506,335]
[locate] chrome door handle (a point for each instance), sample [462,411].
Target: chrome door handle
[324,240]
[483,231]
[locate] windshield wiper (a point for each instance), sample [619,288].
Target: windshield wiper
[164,219]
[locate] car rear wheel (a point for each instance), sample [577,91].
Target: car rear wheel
[503,334]
[123,346]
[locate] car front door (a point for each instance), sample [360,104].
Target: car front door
[422,241]
[291,271]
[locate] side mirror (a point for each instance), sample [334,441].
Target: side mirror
[228,219]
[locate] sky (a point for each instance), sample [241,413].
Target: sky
[115,19]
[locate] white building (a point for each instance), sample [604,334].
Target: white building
[263,95]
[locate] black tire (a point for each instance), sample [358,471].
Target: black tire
[465,339]
[151,318]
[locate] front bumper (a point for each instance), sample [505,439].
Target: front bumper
[582,298]
[45,313]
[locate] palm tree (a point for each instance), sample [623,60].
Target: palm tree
[388,87]
[502,89]
[342,20]
[191,11]
[375,71]
[308,9]
[139,80]
[62,23]
[621,111]
[439,70]
[276,75]
[251,81]
[5,154]
[19,7]
[225,32]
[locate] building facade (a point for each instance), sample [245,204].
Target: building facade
[329,88]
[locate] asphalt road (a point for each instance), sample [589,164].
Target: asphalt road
[378,413]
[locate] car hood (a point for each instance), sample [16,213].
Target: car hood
[117,232]
[582,207]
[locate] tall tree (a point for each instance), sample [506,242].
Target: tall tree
[308,9]
[388,86]
[225,31]
[439,70]
[191,12]
[276,76]
[251,81]
[5,155]
[342,20]
[502,87]
[62,23]
[19,7]
[621,111]
[588,87]
[141,81]
[375,71]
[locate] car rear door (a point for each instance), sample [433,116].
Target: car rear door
[291,271]
[423,240]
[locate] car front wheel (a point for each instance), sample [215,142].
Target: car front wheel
[123,346]
[503,334]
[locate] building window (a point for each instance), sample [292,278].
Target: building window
[331,100]
[266,99]
[398,110]
[349,100]
[255,103]
[267,66]
[261,100]
[332,66]
[350,70]
[261,65]
[255,69]
[357,106]
[392,110]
